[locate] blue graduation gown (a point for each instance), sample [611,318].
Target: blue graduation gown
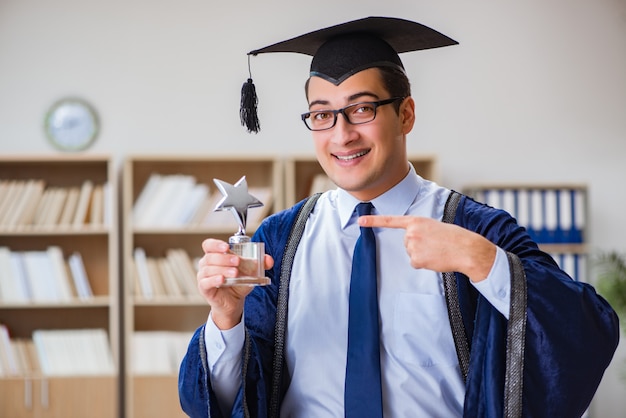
[570,333]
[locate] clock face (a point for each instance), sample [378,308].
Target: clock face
[71,124]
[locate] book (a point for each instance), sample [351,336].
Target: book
[5,187]
[82,207]
[8,357]
[156,282]
[57,201]
[73,352]
[59,273]
[14,190]
[79,276]
[172,201]
[43,207]
[204,208]
[551,217]
[96,208]
[19,274]
[41,282]
[183,270]
[12,286]
[150,353]
[69,209]
[170,281]
[145,197]
[168,197]
[143,273]
[195,200]
[158,352]
[24,211]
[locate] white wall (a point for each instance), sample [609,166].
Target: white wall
[536,90]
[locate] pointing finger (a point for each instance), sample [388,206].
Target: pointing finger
[384,221]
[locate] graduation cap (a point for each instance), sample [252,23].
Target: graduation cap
[343,50]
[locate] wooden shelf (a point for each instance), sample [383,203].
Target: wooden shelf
[183,313]
[40,395]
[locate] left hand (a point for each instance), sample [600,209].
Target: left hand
[440,246]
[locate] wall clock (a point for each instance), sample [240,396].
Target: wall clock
[71,124]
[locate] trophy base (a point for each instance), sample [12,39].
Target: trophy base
[247,281]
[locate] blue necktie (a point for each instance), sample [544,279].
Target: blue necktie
[363,393]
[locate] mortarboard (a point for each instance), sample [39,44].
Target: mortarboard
[343,50]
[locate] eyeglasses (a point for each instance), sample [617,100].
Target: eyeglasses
[355,114]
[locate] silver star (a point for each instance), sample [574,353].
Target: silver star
[237,200]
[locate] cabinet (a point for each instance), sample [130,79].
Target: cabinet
[43,234]
[160,315]
[554,215]
[304,175]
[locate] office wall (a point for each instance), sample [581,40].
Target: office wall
[535,92]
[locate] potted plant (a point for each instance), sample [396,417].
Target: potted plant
[611,281]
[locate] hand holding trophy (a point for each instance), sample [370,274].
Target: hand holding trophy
[252,254]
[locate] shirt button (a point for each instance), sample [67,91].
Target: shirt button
[502,294]
[218,345]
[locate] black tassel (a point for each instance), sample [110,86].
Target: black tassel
[248,109]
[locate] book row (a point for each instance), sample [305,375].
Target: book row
[171,276]
[42,276]
[158,352]
[82,352]
[31,204]
[549,215]
[179,200]
[73,352]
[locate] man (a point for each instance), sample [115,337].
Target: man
[508,334]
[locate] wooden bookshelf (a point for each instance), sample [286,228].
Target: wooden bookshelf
[37,393]
[177,314]
[301,173]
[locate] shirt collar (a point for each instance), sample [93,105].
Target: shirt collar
[395,201]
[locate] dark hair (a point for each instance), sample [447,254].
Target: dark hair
[394,80]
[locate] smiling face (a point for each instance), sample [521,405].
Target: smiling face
[368,159]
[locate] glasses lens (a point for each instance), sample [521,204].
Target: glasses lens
[320,120]
[360,112]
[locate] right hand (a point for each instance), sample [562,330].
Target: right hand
[226,301]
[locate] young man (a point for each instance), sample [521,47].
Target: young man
[507,334]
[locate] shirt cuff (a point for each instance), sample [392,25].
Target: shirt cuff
[223,345]
[496,288]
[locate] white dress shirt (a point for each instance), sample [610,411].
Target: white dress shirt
[420,371]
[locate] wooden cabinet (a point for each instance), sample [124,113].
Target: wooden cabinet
[157,310]
[59,397]
[304,176]
[54,299]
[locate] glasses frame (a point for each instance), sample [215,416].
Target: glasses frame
[376,104]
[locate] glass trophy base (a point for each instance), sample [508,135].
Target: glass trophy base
[246,281]
[251,263]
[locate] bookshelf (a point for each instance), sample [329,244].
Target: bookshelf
[160,314]
[68,253]
[555,216]
[304,176]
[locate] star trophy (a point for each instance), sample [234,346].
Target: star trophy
[252,267]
